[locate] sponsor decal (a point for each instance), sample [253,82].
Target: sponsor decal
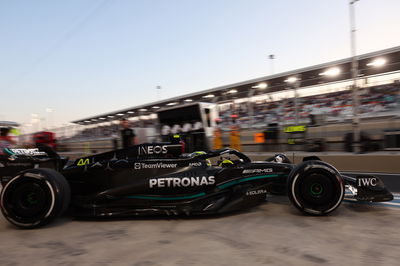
[148,150]
[181,181]
[256,192]
[97,164]
[138,166]
[28,152]
[370,181]
[19,164]
[83,162]
[195,164]
[257,171]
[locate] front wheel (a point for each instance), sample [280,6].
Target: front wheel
[315,187]
[35,197]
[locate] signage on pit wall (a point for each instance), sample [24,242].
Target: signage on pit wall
[259,138]
[295,129]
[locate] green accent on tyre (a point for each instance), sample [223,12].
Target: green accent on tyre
[318,190]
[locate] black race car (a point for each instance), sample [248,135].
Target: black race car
[157,179]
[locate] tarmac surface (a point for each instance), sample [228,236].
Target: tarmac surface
[274,233]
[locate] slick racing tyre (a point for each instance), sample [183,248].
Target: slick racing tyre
[35,197]
[315,187]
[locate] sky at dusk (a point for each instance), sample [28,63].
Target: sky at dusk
[87,57]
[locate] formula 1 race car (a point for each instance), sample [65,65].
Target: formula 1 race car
[157,179]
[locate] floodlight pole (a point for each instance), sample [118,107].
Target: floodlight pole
[272,57]
[296,96]
[354,74]
[158,89]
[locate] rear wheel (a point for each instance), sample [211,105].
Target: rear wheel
[35,197]
[315,188]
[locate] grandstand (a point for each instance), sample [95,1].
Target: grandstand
[322,94]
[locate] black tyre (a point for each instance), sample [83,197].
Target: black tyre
[315,187]
[35,197]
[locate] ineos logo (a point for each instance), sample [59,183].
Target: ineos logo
[147,150]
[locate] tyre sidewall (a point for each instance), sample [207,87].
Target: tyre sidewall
[58,193]
[303,171]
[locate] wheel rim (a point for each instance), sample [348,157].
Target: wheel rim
[27,200]
[318,190]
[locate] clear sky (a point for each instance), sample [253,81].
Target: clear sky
[86,57]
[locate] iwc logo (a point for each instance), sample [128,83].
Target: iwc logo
[371,181]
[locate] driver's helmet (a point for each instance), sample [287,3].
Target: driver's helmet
[281,158]
[226,163]
[197,153]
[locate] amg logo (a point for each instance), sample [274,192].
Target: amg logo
[152,150]
[367,181]
[154,165]
[257,171]
[256,192]
[181,181]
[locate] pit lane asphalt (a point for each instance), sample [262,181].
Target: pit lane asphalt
[274,233]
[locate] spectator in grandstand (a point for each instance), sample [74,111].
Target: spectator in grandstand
[128,136]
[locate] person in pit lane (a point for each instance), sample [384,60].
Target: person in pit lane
[5,140]
[128,135]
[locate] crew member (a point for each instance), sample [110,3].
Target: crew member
[5,140]
[128,136]
[235,134]
[217,135]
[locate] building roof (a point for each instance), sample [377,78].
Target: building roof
[308,76]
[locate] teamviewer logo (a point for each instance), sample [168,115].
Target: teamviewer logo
[137,166]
